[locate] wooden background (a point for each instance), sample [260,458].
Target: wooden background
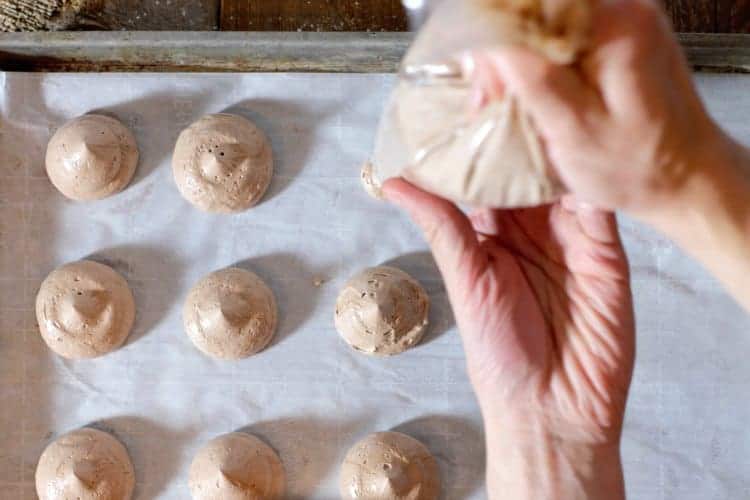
[701,16]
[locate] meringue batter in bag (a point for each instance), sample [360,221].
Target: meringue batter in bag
[492,156]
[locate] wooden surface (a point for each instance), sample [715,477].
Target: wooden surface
[689,16]
[269,51]
[187,15]
[733,16]
[692,16]
[313,15]
[710,16]
[702,16]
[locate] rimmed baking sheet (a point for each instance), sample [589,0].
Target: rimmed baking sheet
[207,51]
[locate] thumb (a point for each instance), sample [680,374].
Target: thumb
[448,232]
[555,96]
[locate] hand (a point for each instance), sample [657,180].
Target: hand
[625,128]
[542,300]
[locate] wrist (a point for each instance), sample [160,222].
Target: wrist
[528,462]
[717,188]
[710,216]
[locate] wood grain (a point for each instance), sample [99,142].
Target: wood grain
[692,16]
[312,15]
[723,16]
[733,16]
[688,16]
[148,15]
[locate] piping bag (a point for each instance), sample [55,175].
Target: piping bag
[432,135]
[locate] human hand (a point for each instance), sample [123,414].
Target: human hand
[625,128]
[542,300]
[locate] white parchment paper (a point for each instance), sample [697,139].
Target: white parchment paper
[308,395]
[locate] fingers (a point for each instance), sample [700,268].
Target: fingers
[600,251]
[448,231]
[597,224]
[485,221]
[629,40]
[555,95]
[486,83]
[632,40]
[644,21]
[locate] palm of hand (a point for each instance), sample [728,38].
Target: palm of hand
[547,320]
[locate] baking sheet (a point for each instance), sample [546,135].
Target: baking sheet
[308,395]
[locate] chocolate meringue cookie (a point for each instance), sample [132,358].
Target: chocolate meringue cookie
[389,466]
[382,311]
[230,314]
[86,464]
[222,163]
[84,310]
[91,157]
[236,466]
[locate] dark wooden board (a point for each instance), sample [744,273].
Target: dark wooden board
[188,15]
[692,16]
[312,15]
[688,16]
[733,16]
[269,51]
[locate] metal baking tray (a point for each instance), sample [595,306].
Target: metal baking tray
[207,51]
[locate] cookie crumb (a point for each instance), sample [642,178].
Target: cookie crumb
[369,182]
[317,282]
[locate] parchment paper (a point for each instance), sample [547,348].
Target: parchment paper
[309,395]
